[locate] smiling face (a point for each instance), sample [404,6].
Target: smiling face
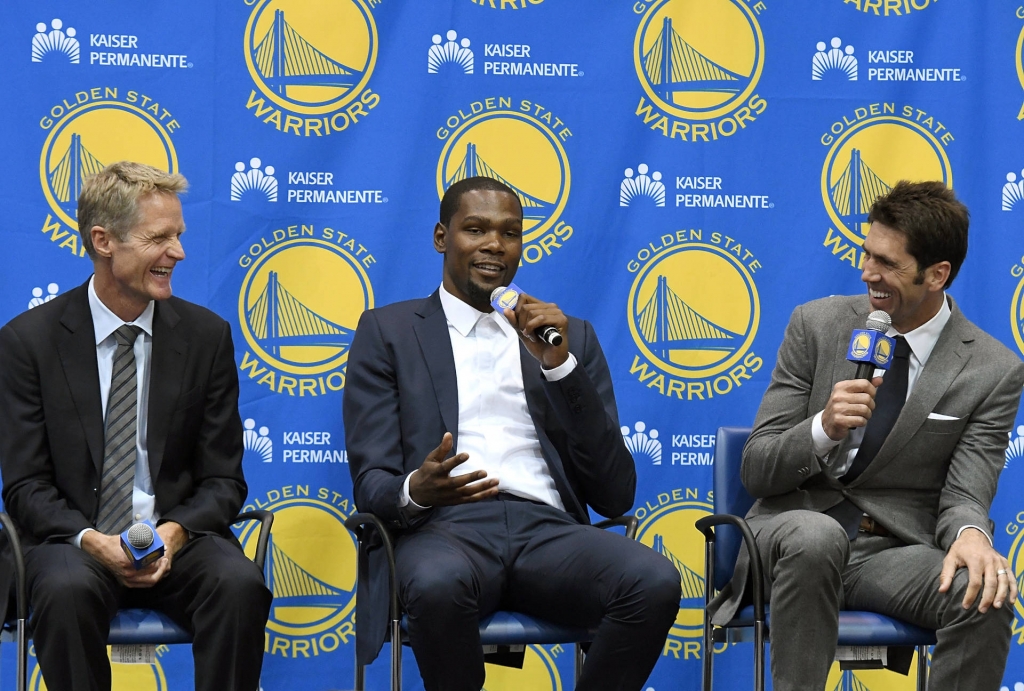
[132,272]
[911,296]
[481,246]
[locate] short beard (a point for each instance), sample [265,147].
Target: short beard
[477,294]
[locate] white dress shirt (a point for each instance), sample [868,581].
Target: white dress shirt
[922,342]
[105,323]
[495,426]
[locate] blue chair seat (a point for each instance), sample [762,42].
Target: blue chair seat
[139,626]
[516,628]
[857,628]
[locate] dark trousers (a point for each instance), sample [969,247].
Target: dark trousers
[212,590]
[471,560]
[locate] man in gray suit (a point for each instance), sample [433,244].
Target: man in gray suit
[875,494]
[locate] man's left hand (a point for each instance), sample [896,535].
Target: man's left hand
[174,537]
[529,317]
[988,570]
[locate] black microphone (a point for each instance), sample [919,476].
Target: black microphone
[870,348]
[503,297]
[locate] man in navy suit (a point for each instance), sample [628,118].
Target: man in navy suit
[483,446]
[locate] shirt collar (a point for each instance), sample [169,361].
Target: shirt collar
[922,340]
[464,316]
[105,322]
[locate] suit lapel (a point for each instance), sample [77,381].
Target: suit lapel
[436,345]
[78,358]
[166,373]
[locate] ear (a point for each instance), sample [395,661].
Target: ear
[101,241]
[936,275]
[440,238]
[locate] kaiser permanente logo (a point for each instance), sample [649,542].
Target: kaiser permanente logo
[869,150]
[698,63]
[88,130]
[520,143]
[834,62]
[518,59]
[693,312]
[645,188]
[311,64]
[304,288]
[106,49]
[256,183]
[310,569]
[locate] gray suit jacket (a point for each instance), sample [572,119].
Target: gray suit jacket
[930,478]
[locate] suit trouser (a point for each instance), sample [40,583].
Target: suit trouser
[471,560]
[212,590]
[814,570]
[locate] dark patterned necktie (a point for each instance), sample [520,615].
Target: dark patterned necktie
[121,431]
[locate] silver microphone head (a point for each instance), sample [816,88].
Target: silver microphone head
[878,321]
[505,297]
[140,536]
[496,292]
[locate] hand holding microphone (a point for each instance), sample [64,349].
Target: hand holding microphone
[541,325]
[853,401]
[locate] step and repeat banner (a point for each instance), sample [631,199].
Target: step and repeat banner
[690,170]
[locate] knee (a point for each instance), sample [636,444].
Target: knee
[241,590]
[817,539]
[434,588]
[662,587]
[994,619]
[65,592]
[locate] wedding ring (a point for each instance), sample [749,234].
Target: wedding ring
[1001,572]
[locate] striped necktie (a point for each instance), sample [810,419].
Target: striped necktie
[118,478]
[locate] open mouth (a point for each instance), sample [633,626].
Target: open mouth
[878,295]
[161,271]
[490,269]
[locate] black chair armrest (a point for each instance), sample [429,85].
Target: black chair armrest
[627,521]
[358,523]
[266,519]
[19,565]
[706,525]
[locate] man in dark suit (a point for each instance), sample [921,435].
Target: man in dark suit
[483,445]
[875,494]
[121,405]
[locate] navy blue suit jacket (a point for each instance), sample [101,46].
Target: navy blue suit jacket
[401,396]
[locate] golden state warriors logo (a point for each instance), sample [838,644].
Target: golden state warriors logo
[310,569]
[699,62]
[882,351]
[666,526]
[1020,58]
[522,147]
[693,312]
[539,672]
[123,677]
[860,346]
[1017,306]
[871,150]
[89,131]
[312,62]
[298,307]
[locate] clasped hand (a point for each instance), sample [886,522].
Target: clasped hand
[434,485]
[108,551]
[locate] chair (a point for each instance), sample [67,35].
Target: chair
[856,629]
[501,633]
[129,626]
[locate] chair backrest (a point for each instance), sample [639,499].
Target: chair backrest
[731,497]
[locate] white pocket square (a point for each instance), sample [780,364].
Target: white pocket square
[940,416]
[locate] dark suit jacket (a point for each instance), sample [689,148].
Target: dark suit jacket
[401,397]
[931,477]
[51,426]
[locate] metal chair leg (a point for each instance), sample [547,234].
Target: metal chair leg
[578,670]
[360,684]
[21,680]
[922,668]
[396,655]
[759,656]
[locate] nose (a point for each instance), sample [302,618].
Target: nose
[869,272]
[175,250]
[493,243]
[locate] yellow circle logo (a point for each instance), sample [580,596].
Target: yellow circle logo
[310,569]
[123,677]
[694,310]
[668,529]
[89,138]
[300,303]
[539,672]
[882,351]
[520,151]
[1017,316]
[871,156]
[311,57]
[860,346]
[699,59]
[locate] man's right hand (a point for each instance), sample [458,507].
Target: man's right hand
[850,406]
[107,550]
[433,484]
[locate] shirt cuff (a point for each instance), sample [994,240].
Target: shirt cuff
[562,371]
[821,442]
[405,499]
[77,539]
[983,532]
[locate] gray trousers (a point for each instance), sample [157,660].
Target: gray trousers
[814,571]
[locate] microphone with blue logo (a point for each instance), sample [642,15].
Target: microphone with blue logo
[142,544]
[870,348]
[503,297]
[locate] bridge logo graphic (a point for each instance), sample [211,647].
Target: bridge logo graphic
[92,136]
[868,158]
[310,569]
[694,310]
[700,60]
[312,58]
[519,150]
[299,305]
[124,677]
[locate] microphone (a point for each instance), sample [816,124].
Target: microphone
[503,297]
[870,348]
[142,544]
